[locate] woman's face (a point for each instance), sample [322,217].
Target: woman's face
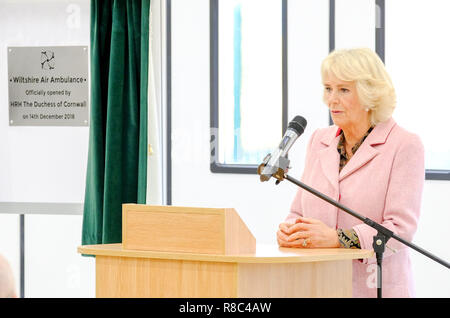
[342,99]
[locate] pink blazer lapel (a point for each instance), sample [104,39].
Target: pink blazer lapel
[367,152]
[329,159]
[364,154]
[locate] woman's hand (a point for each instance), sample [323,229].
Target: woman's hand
[307,233]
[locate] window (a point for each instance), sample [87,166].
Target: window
[417,59]
[248,82]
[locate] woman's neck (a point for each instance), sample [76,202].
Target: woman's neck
[354,134]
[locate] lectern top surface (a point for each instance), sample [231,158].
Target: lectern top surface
[265,253]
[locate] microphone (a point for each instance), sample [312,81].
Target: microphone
[277,161]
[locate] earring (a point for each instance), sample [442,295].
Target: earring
[367,109]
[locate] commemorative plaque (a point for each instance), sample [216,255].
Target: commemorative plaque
[48,86]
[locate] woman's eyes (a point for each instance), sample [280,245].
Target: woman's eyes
[343,90]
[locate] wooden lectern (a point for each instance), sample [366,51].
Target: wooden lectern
[169,251]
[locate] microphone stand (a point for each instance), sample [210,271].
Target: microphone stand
[379,240]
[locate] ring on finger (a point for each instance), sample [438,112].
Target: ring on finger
[305,242]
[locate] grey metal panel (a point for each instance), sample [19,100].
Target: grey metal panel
[41,208]
[331,35]
[437,174]
[332,25]
[379,28]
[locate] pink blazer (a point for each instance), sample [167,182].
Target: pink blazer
[383,181]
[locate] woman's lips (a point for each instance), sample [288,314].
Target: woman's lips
[336,111]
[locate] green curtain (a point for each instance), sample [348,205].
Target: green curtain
[117,159]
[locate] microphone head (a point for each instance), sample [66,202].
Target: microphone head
[298,124]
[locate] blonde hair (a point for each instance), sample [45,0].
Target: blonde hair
[373,83]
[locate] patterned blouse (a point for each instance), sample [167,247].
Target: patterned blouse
[348,238]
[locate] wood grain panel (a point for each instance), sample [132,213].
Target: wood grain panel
[180,232]
[139,277]
[238,239]
[185,229]
[316,279]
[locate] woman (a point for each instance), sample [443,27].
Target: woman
[366,162]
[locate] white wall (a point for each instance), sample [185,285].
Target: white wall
[263,205]
[41,164]
[45,173]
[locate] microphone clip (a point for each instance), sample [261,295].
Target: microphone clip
[278,171]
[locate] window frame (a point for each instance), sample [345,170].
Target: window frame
[215,165]
[380,29]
